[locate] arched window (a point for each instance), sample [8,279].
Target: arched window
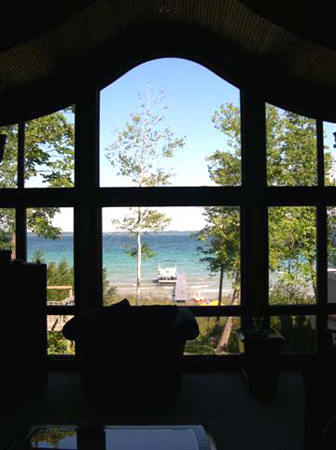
[247,221]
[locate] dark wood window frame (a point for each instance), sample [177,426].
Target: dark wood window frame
[253,197]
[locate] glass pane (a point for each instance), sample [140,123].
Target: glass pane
[217,337]
[49,150]
[332,326]
[291,148]
[7,230]
[50,240]
[57,343]
[329,153]
[172,255]
[331,218]
[9,164]
[298,331]
[292,255]
[182,128]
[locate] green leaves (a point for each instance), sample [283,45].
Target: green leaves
[49,153]
[221,241]
[291,161]
[291,149]
[49,149]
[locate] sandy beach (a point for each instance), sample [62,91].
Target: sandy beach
[163,294]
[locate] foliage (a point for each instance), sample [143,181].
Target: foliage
[291,149]
[210,333]
[291,161]
[220,244]
[58,275]
[49,154]
[292,253]
[221,235]
[7,218]
[298,332]
[109,292]
[58,345]
[138,152]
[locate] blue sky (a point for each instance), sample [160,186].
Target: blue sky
[191,92]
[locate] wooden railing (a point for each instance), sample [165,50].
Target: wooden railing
[67,301]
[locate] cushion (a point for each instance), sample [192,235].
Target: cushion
[88,319]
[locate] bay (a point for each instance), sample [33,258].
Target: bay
[170,248]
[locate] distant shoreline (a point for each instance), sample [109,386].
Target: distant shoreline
[125,233]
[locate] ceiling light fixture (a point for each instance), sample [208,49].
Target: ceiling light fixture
[168,10]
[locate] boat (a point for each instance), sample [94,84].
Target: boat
[167,272]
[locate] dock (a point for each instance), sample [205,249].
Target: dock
[180,291]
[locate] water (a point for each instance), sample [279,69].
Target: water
[178,247]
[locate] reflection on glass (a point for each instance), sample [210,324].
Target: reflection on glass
[332,327]
[291,148]
[292,255]
[217,337]
[8,166]
[7,230]
[49,150]
[50,240]
[298,331]
[57,344]
[119,437]
[171,255]
[184,136]
[54,438]
[329,154]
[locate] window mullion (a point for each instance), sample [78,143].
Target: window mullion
[322,273]
[20,216]
[254,212]
[87,223]
[320,153]
[321,244]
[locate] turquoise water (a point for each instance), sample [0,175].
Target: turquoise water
[178,247]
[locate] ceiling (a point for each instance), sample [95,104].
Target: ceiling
[50,56]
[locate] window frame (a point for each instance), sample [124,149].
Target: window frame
[253,197]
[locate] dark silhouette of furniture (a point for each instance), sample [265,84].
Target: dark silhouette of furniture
[319,378]
[127,351]
[23,327]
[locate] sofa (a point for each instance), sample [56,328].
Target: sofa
[128,351]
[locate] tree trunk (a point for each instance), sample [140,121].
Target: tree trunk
[314,285]
[138,281]
[221,276]
[224,339]
[13,254]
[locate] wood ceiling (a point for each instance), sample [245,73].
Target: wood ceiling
[49,57]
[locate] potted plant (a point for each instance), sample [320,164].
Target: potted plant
[260,347]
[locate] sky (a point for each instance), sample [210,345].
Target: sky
[192,93]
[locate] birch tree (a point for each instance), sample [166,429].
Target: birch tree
[139,152]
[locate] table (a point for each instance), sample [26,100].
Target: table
[107,437]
